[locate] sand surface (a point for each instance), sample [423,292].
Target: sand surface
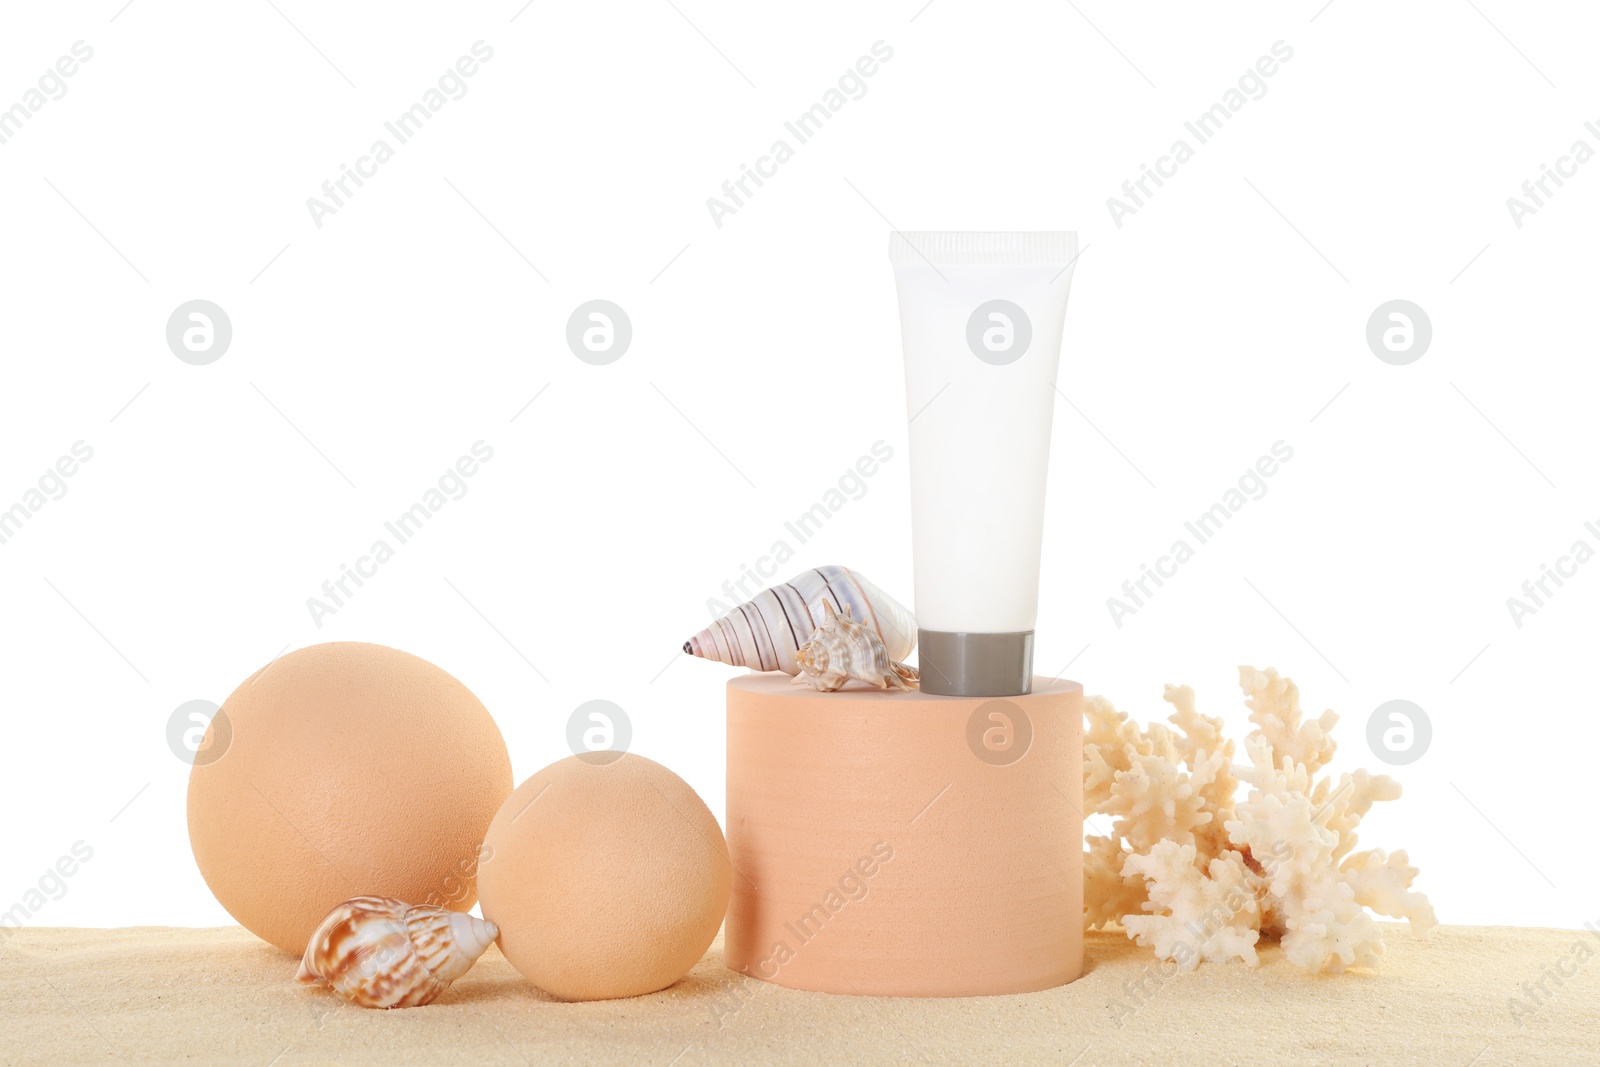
[220,996]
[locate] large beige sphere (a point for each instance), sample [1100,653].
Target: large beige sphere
[351,770]
[607,879]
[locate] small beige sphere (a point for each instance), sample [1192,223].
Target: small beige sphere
[607,879]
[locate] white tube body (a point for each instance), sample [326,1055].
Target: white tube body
[980,416]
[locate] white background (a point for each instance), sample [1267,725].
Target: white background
[1227,314]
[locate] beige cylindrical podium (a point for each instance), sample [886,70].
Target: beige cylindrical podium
[904,844]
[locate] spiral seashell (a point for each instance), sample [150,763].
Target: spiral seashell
[764,633]
[382,953]
[843,650]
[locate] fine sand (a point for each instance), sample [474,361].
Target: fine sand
[222,997]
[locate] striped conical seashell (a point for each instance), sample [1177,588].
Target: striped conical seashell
[382,953]
[843,650]
[764,633]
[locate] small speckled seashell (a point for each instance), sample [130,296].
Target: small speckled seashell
[763,633]
[382,953]
[843,650]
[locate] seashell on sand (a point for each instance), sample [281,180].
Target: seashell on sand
[381,953]
[843,650]
[764,633]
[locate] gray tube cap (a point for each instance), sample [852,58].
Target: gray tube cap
[975,665]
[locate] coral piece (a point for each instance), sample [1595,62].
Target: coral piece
[764,633]
[1196,874]
[1158,783]
[842,650]
[1274,704]
[1108,894]
[1201,914]
[1383,883]
[382,953]
[1209,757]
[1156,800]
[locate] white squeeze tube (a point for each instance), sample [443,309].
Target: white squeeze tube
[980,318]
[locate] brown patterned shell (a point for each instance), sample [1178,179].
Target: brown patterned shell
[843,650]
[382,953]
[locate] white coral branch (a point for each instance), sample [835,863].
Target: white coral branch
[1327,929]
[1383,883]
[1210,914]
[1274,704]
[1108,894]
[1155,801]
[1349,803]
[1195,874]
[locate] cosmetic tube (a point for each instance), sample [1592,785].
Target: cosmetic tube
[980,319]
